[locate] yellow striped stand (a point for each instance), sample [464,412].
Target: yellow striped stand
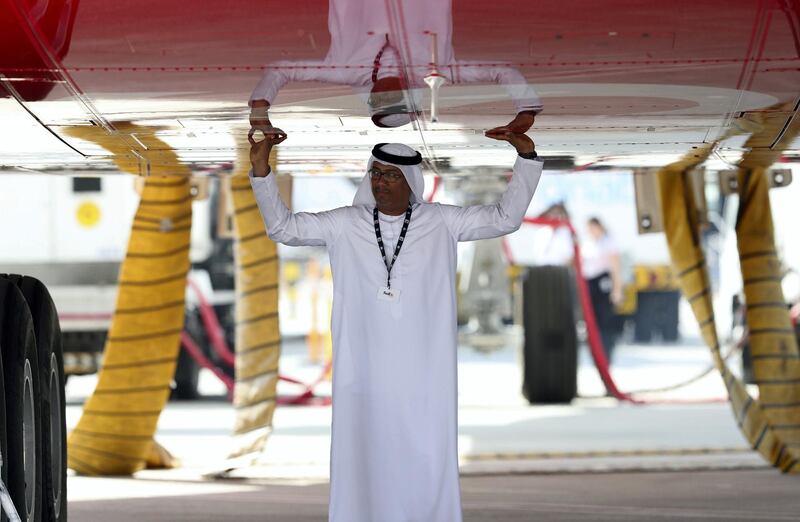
[683,238]
[258,339]
[758,419]
[773,345]
[114,435]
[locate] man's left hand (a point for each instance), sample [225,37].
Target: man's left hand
[260,150]
[522,122]
[522,142]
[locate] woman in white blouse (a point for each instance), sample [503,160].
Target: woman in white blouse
[601,269]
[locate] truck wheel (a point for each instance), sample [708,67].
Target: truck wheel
[23,403]
[550,352]
[187,377]
[187,371]
[52,383]
[227,319]
[3,442]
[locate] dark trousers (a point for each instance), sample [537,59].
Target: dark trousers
[600,292]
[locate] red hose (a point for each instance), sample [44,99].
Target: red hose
[307,397]
[197,354]
[212,326]
[214,331]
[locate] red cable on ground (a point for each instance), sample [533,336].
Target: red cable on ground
[593,331]
[214,331]
[197,354]
[212,326]
[307,397]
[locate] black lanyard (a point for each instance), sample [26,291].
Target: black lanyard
[399,242]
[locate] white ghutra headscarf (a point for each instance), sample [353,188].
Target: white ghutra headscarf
[401,156]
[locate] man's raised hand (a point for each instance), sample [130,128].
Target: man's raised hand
[260,150]
[522,142]
[521,122]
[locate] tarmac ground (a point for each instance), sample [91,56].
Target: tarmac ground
[679,457]
[743,495]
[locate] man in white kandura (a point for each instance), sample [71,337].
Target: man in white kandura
[394,455]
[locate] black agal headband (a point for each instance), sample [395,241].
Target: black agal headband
[416,159]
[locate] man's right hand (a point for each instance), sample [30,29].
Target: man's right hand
[260,150]
[522,142]
[522,122]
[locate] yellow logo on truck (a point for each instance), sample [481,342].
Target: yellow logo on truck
[88,214]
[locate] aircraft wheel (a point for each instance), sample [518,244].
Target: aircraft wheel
[550,354]
[3,441]
[52,382]
[187,370]
[187,377]
[23,403]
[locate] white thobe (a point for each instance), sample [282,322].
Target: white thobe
[394,437]
[359,29]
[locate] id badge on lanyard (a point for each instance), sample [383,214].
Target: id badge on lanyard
[387,293]
[391,295]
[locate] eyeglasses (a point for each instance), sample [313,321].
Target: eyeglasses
[389,175]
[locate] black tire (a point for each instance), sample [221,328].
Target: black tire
[187,370]
[550,353]
[52,382]
[23,403]
[226,313]
[187,377]
[3,443]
